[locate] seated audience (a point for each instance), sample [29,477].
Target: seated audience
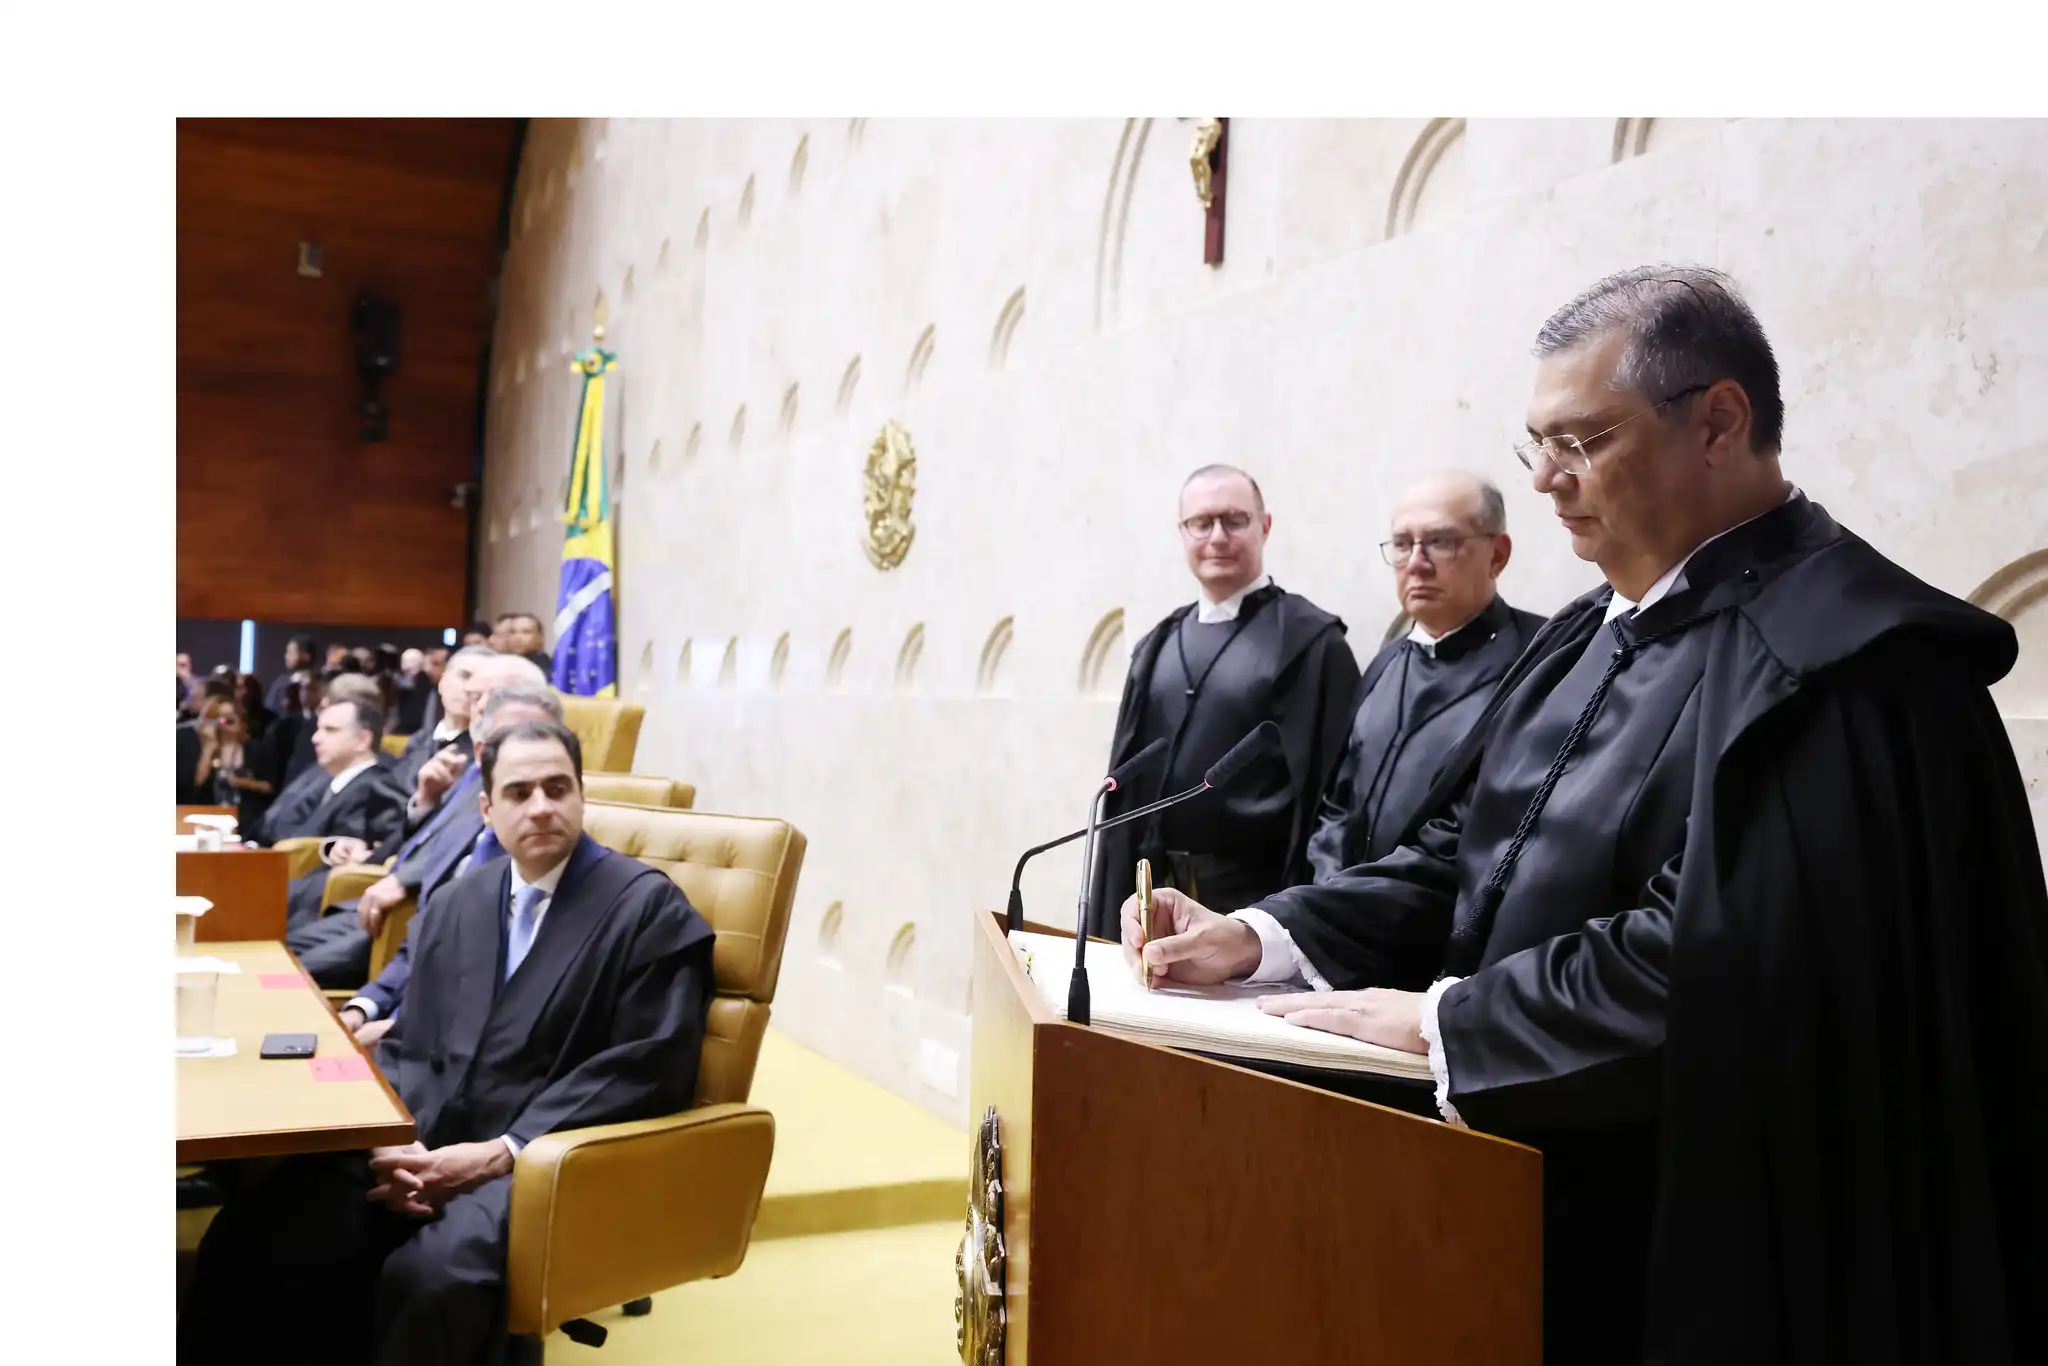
[415,690]
[479,633]
[359,798]
[520,633]
[335,947]
[433,778]
[398,1254]
[195,787]
[300,653]
[231,769]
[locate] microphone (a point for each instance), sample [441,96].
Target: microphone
[1264,740]
[1119,777]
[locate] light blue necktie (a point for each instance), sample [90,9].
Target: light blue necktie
[525,909]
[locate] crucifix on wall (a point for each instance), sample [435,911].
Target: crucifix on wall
[1209,159]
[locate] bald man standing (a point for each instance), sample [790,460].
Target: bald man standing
[1425,689]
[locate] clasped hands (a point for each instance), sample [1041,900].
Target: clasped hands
[1202,948]
[418,1180]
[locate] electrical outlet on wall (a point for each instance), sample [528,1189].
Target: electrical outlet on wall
[938,1067]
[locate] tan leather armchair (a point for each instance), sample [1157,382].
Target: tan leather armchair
[608,729]
[302,852]
[607,1215]
[638,789]
[347,884]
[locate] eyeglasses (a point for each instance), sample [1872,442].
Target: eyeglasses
[1435,549]
[1569,454]
[1201,524]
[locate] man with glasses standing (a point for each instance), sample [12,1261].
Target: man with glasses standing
[1424,689]
[1731,904]
[1246,651]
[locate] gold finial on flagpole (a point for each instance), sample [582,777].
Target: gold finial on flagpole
[603,313]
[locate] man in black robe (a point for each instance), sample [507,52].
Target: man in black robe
[563,987]
[1425,688]
[1731,904]
[1201,680]
[359,801]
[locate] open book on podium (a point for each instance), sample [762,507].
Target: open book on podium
[1134,1201]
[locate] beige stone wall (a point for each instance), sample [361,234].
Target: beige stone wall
[1028,298]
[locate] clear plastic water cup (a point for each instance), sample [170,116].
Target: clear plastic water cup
[188,931]
[196,995]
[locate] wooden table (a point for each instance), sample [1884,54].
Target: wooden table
[246,887]
[184,811]
[249,1106]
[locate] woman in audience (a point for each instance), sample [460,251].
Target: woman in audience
[232,769]
[256,714]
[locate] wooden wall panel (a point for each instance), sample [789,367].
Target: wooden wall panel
[283,512]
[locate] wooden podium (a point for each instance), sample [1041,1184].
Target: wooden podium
[1158,1207]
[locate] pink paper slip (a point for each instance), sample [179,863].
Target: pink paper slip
[281,981]
[348,1068]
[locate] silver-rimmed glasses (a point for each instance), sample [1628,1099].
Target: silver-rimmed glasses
[1569,453]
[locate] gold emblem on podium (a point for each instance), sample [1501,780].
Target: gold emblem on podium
[978,1311]
[888,486]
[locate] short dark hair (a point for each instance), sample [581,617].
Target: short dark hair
[487,753]
[368,715]
[1258,497]
[1686,326]
[305,645]
[478,627]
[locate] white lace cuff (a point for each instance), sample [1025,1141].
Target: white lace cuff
[1280,960]
[1439,1065]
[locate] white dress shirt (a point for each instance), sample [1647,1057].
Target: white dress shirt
[1281,959]
[348,775]
[1429,642]
[1227,610]
[547,882]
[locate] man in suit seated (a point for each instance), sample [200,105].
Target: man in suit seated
[335,948]
[562,987]
[453,724]
[432,779]
[520,633]
[359,799]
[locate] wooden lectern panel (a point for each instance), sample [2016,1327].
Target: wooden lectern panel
[1180,1211]
[246,887]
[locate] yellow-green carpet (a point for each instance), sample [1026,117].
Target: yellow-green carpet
[852,1258]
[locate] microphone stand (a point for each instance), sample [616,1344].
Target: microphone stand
[1016,905]
[1077,984]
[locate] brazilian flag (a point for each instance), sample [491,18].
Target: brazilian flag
[586,640]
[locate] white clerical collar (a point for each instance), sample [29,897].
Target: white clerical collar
[448,731]
[1619,605]
[1227,610]
[1429,642]
[348,775]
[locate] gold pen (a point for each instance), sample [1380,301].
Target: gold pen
[1144,918]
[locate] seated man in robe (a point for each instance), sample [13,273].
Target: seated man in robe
[335,947]
[1731,904]
[359,800]
[563,987]
[1425,688]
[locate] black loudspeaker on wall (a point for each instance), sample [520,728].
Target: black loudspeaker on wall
[376,331]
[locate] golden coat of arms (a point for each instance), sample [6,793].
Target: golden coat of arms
[978,1312]
[888,486]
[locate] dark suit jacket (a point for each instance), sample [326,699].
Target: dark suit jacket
[405,769]
[603,1021]
[370,808]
